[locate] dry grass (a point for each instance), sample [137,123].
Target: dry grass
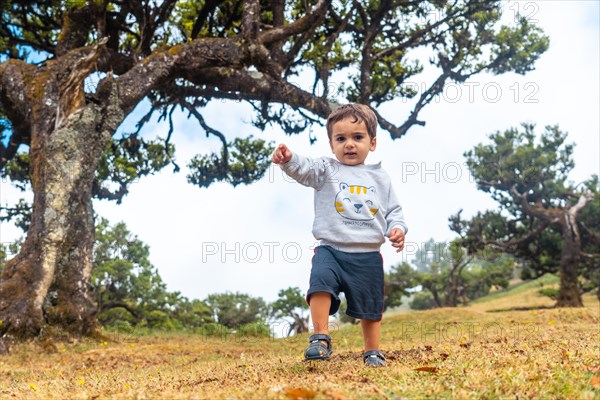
[445,353]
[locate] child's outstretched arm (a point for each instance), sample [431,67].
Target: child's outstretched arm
[281,155]
[304,170]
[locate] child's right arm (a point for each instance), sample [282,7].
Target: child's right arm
[282,154]
[303,170]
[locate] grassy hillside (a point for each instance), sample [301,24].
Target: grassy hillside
[445,353]
[519,295]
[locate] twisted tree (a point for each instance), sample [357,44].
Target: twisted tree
[292,304]
[60,133]
[542,218]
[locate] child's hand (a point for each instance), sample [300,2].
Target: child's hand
[397,239]
[281,155]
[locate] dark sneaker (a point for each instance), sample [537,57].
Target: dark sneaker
[317,350]
[373,358]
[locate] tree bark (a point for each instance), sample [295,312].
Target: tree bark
[300,324]
[451,290]
[455,282]
[48,281]
[69,304]
[435,295]
[569,294]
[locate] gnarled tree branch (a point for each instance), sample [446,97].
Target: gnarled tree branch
[313,17]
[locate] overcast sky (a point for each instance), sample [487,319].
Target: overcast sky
[257,239]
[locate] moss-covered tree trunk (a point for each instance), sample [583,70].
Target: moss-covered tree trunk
[49,280]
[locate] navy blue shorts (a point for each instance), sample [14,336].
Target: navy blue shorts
[358,275]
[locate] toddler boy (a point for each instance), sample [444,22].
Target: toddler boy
[355,209]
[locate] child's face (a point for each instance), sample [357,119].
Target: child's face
[350,141]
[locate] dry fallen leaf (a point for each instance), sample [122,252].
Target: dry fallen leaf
[595,382]
[298,393]
[593,368]
[427,369]
[379,391]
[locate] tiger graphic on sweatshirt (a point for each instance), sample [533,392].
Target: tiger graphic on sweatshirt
[357,203]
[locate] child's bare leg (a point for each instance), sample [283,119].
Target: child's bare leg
[320,346]
[371,333]
[320,302]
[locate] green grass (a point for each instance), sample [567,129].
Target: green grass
[543,281]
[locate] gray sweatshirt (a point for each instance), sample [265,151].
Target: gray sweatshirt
[355,206]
